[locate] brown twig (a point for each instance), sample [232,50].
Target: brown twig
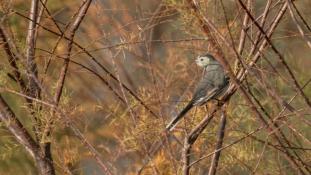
[302,33]
[191,138]
[220,138]
[110,74]
[70,124]
[301,17]
[7,116]
[279,56]
[71,33]
[12,58]
[228,145]
[236,82]
[60,84]
[32,71]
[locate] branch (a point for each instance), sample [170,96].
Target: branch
[69,123]
[110,74]
[45,167]
[60,84]
[302,33]
[205,24]
[221,134]
[192,137]
[279,55]
[72,31]
[32,71]
[236,82]
[12,58]
[243,30]
[276,21]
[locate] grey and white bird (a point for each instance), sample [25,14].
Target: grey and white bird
[212,86]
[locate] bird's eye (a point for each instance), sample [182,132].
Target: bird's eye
[201,59]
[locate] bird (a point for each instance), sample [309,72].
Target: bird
[213,85]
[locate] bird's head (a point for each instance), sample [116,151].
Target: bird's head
[205,60]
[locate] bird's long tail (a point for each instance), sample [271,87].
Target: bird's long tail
[174,122]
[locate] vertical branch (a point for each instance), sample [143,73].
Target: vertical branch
[262,23]
[220,135]
[39,16]
[186,156]
[61,80]
[243,30]
[32,72]
[190,140]
[44,163]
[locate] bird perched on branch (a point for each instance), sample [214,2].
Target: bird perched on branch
[212,86]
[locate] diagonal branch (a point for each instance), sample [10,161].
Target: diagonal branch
[12,58]
[61,80]
[302,33]
[110,74]
[72,31]
[205,24]
[279,56]
[195,133]
[7,116]
[69,123]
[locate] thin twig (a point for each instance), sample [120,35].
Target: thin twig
[12,58]
[220,138]
[7,116]
[110,74]
[32,71]
[302,33]
[279,56]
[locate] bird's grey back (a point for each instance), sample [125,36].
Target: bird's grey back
[214,77]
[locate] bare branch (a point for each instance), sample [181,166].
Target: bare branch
[279,56]
[110,74]
[12,58]
[7,116]
[32,71]
[302,33]
[72,31]
[220,138]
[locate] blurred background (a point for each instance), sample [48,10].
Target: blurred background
[149,46]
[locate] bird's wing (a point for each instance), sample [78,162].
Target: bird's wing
[207,97]
[213,84]
[212,94]
[206,87]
